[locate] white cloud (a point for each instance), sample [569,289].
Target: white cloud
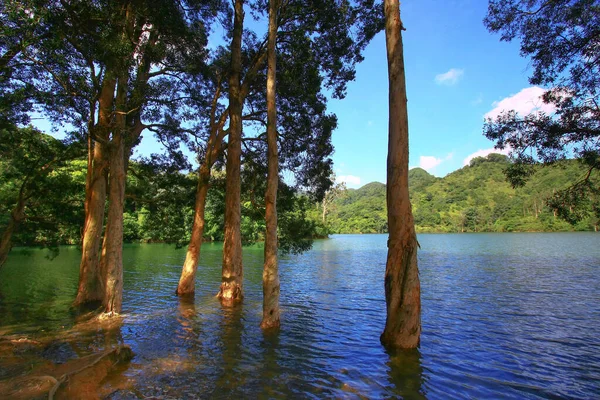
[484,153]
[430,162]
[350,180]
[449,78]
[525,102]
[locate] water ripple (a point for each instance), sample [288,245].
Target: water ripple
[504,316]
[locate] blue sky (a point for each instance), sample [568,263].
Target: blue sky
[456,73]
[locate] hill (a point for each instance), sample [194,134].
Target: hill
[475,198]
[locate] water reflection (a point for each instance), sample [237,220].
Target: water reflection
[231,329]
[270,371]
[406,374]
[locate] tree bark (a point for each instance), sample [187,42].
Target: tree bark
[190,266]
[231,290]
[112,248]
[90,287]
[16,216]
[188,272]
[271,268]
[402,287]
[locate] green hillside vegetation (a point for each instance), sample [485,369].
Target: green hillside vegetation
[475,198]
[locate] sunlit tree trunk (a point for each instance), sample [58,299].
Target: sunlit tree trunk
[402,287]
[188,273]
[112,248]
[16,216]
[271,269]
[90,286]
[232,273]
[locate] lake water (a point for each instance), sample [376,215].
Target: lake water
[504,316]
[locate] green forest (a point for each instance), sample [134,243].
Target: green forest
[475,198]
[159,201]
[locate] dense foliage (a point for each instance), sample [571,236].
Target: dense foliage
[159,203]
[41,189]
[475,198]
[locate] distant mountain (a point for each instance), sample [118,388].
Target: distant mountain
[475,198]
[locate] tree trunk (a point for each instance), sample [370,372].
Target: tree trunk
[188,273]
[112,249]
[90,286]
[232,273]
[402,287]
[16,216]
[271,269]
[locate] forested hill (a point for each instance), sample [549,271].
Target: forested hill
[475,198]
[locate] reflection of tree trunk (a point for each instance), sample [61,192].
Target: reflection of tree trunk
[402,287]
[112,249]
[271,269]
[232,273]
[188,273]
[405,374]
[16,216]
[89,288]
[230,333]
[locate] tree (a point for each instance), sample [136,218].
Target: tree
[112,70]
[562,38]
[231,290]
[402,287]
[270,277]
[326,40]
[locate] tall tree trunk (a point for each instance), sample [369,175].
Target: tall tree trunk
[90,287]
[188,273]
[231,290]
[402,287]
[190,266]
[112,249]
[271,269]
[16,216]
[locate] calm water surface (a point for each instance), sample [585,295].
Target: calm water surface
[504,316]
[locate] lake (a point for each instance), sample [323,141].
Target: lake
[504,316]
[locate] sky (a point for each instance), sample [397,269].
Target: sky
[456,74]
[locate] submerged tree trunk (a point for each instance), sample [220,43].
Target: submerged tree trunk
[231,290]
[16,216]
[90,287]
[271,269]
[402,287]
[112,248]
[188,273]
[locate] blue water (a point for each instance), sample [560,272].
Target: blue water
[504,316]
